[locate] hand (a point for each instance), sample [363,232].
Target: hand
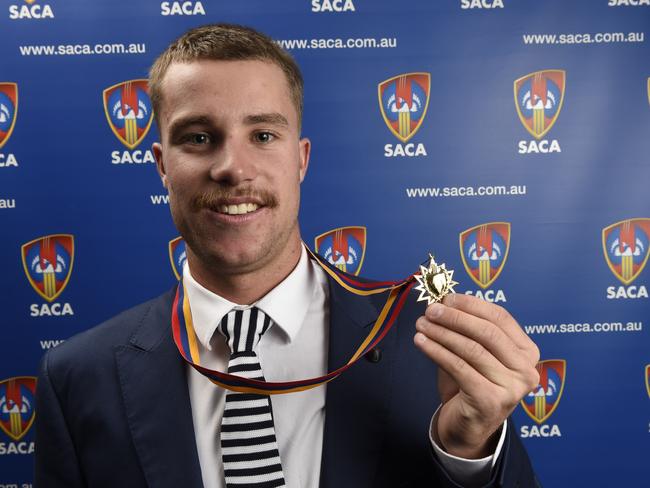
[486,366]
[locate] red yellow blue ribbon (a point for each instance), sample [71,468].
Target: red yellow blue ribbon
[187,343]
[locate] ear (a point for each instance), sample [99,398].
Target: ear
[304,149]
[160,165]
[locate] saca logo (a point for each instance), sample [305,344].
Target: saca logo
[403,102]
[538,100]
[8,114]
[540,403]
[626,245]
[181,8]
[467,4]
[629,3]
[332,6]
[31,11]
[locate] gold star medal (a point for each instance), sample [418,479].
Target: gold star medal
[435,282]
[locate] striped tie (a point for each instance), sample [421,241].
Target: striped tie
[250,451]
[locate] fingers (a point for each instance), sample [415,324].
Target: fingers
[461,354]
[496,315]
[471,381]
[476,341]
[440,320]
[488,385]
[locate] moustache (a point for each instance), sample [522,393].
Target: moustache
[216,197]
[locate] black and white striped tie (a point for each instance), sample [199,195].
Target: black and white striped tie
[251,458]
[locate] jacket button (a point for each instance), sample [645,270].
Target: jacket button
[374,355]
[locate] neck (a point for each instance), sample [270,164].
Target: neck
[246,287]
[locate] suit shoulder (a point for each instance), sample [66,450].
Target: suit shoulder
[100,340]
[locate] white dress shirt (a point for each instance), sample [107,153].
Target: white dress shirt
[295,347]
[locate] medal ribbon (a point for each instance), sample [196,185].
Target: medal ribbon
[186,341]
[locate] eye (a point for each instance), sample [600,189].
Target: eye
[263,137]
[199,138]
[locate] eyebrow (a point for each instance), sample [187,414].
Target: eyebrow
[184,122]
[274,118]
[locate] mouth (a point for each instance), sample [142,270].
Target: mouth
[237,209]
[235,206]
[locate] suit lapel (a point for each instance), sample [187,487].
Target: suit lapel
[355,401]
[156,399]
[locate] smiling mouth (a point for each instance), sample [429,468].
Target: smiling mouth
[234,202]
[240,209]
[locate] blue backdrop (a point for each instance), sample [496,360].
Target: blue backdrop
[510,138]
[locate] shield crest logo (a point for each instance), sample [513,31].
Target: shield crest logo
[625,245]
[403,101]
[177,256]
[544,399]
[17,405]
[344,247]
[538,98]
[484,250]
[128,110]
[8,110]
[48,263]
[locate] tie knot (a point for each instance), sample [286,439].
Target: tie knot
[244,328]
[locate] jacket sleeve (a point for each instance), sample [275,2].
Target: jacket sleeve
[512,469]
[56,463]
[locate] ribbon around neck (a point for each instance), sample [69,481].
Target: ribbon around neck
[187,343]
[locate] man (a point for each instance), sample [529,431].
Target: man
[117,405]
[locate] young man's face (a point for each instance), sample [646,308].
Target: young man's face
[232,160]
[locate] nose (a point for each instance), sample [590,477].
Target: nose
[233,164]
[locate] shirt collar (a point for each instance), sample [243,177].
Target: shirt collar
[286,304]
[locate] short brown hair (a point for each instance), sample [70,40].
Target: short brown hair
[225,42]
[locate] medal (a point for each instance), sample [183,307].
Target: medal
[435,282]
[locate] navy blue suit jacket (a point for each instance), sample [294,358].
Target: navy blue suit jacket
[113,407]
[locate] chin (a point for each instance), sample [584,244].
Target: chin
[234,258]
